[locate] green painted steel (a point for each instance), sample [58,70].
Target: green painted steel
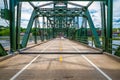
[29,27]
[62,21]
[35,31]
[2,51]
[5,14]
[18,22]
[109,25]
[12,26]
[103,23]
[93,29]
[83,31]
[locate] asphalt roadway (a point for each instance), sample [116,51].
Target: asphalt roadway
[60,66]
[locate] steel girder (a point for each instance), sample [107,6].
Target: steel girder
[93,29]
[29,27]
[2,51]
[18,21]
[109,25]
[83,31]
[12,26]
[63,12]
[60,12]
[103,23]
[35,31]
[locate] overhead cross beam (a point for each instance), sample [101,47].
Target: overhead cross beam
[58,16]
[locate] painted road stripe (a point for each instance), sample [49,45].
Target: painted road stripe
[18,73]
[104,74]
[97,68]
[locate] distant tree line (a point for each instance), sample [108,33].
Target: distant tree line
[5,31]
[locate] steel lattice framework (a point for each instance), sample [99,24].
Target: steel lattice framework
[62,19]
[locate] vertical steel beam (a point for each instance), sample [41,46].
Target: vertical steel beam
[77,22]
[12,26]
[85,30]
[93,29]
[73,22]
[103,23]
[43,28]
[29,27]
[81,31]
[39,32]
[35,31]
[53,27]
[109,25]
[5,4]
[18,22]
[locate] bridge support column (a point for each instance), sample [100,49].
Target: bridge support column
[103,23]
[12,26]
[93,29]
[18,22]
[35,31]
[109,25]
[29,27]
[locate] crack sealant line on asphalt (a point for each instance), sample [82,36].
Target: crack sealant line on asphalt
[18,73]
[60,46]
[90,62]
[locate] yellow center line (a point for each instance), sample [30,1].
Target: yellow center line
[61,49]
[60,59]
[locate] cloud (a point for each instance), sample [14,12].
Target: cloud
[1,4]
[95,13]
[116,19]
[94,10]
[43,2]
[116,5]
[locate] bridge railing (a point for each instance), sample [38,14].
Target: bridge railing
[115,50]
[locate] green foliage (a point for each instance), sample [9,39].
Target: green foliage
[118,35]
[4,32]
[118,52]
[115,29]
[23,29]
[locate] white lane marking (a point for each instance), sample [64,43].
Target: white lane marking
[18,73]
[103,73]
[75,48]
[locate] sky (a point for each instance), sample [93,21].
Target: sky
[94,11]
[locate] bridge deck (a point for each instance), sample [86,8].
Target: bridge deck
[60,46]
[60,66]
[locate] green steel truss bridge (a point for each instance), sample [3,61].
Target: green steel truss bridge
[60,19]
[62,51]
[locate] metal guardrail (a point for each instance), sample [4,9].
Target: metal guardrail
[91,43]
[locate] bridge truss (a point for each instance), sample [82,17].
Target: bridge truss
[60,19]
